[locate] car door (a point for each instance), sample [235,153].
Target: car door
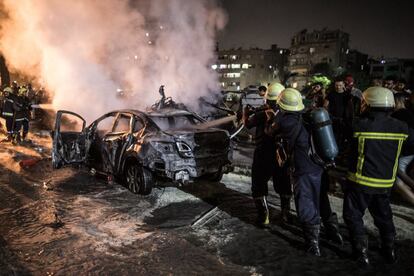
[98,157]
[116,142]
[70,141]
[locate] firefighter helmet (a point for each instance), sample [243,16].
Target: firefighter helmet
[8,90]
[273,91]
[378,97]
[290,100]
[22,91]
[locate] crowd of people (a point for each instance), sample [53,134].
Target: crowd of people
[372,129]
[15,108]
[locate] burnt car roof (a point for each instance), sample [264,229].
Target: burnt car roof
[168,112]
[161,112]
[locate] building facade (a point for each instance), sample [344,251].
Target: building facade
[240,68]
[322,51]
[398,68]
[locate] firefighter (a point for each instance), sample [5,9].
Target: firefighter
[329,218]
[264,165]
[8,111]
[22,115]
[15,87]
[376,143]
[306,174]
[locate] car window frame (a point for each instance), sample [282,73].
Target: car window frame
[135,119]
[116,122]
[95,124]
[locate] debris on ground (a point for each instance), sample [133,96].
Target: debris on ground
[28,163]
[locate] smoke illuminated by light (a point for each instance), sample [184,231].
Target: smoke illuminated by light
[82,51]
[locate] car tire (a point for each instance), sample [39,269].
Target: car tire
[138,179]
[216,177]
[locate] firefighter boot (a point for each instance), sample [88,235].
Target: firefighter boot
[332,229]
[285,206]
[388,249]
[9,137]
[360,250]
[17,138]
[262,211]
[311,233]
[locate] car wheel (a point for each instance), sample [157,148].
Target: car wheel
[139,180]
[216,177]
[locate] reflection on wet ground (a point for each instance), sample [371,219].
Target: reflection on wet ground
[66,222]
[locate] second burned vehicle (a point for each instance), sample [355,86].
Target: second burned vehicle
[137,148]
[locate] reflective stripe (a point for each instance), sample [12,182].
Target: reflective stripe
[361,156]
[371,182]
[18,120]
[380,135]
[357,177]
[7,114]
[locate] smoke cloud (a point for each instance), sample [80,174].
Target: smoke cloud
[82,51]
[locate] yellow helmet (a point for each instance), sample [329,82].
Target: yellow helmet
[290,100]
[273,91]
[8,90]
[22,91]
[378,97]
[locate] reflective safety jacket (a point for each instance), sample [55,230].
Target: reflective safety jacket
[376,144]
[8,106]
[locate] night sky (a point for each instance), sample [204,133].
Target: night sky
[375,28]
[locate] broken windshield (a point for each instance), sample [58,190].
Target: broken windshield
[175,122]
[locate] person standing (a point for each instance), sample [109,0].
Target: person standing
[342,107]
[8,111]
[376,143]
[264,160]
[22,115]
[329,218]
[306,174]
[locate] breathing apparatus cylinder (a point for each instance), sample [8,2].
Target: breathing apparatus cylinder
[323,139]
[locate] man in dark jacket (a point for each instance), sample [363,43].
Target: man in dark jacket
[306,173]
[376,144]
[264,161]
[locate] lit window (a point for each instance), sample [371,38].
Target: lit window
[223,66]
[235,66]
[232,75]
[233,57]
[238,87]
[347,51]
[214,66]
[245,66]
[281,52]
[270,66]
[311,50]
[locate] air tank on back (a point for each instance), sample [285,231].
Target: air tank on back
[322,135]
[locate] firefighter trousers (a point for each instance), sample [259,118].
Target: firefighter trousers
[355,204]
[22,123]
[264,168]
[327,215]
[306,188]
[9,124]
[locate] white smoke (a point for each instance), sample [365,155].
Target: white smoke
[82,51]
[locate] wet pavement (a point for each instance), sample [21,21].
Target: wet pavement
[64,222]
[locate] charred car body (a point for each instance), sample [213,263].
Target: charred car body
[139,147]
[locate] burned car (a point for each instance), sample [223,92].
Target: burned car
[138,148]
